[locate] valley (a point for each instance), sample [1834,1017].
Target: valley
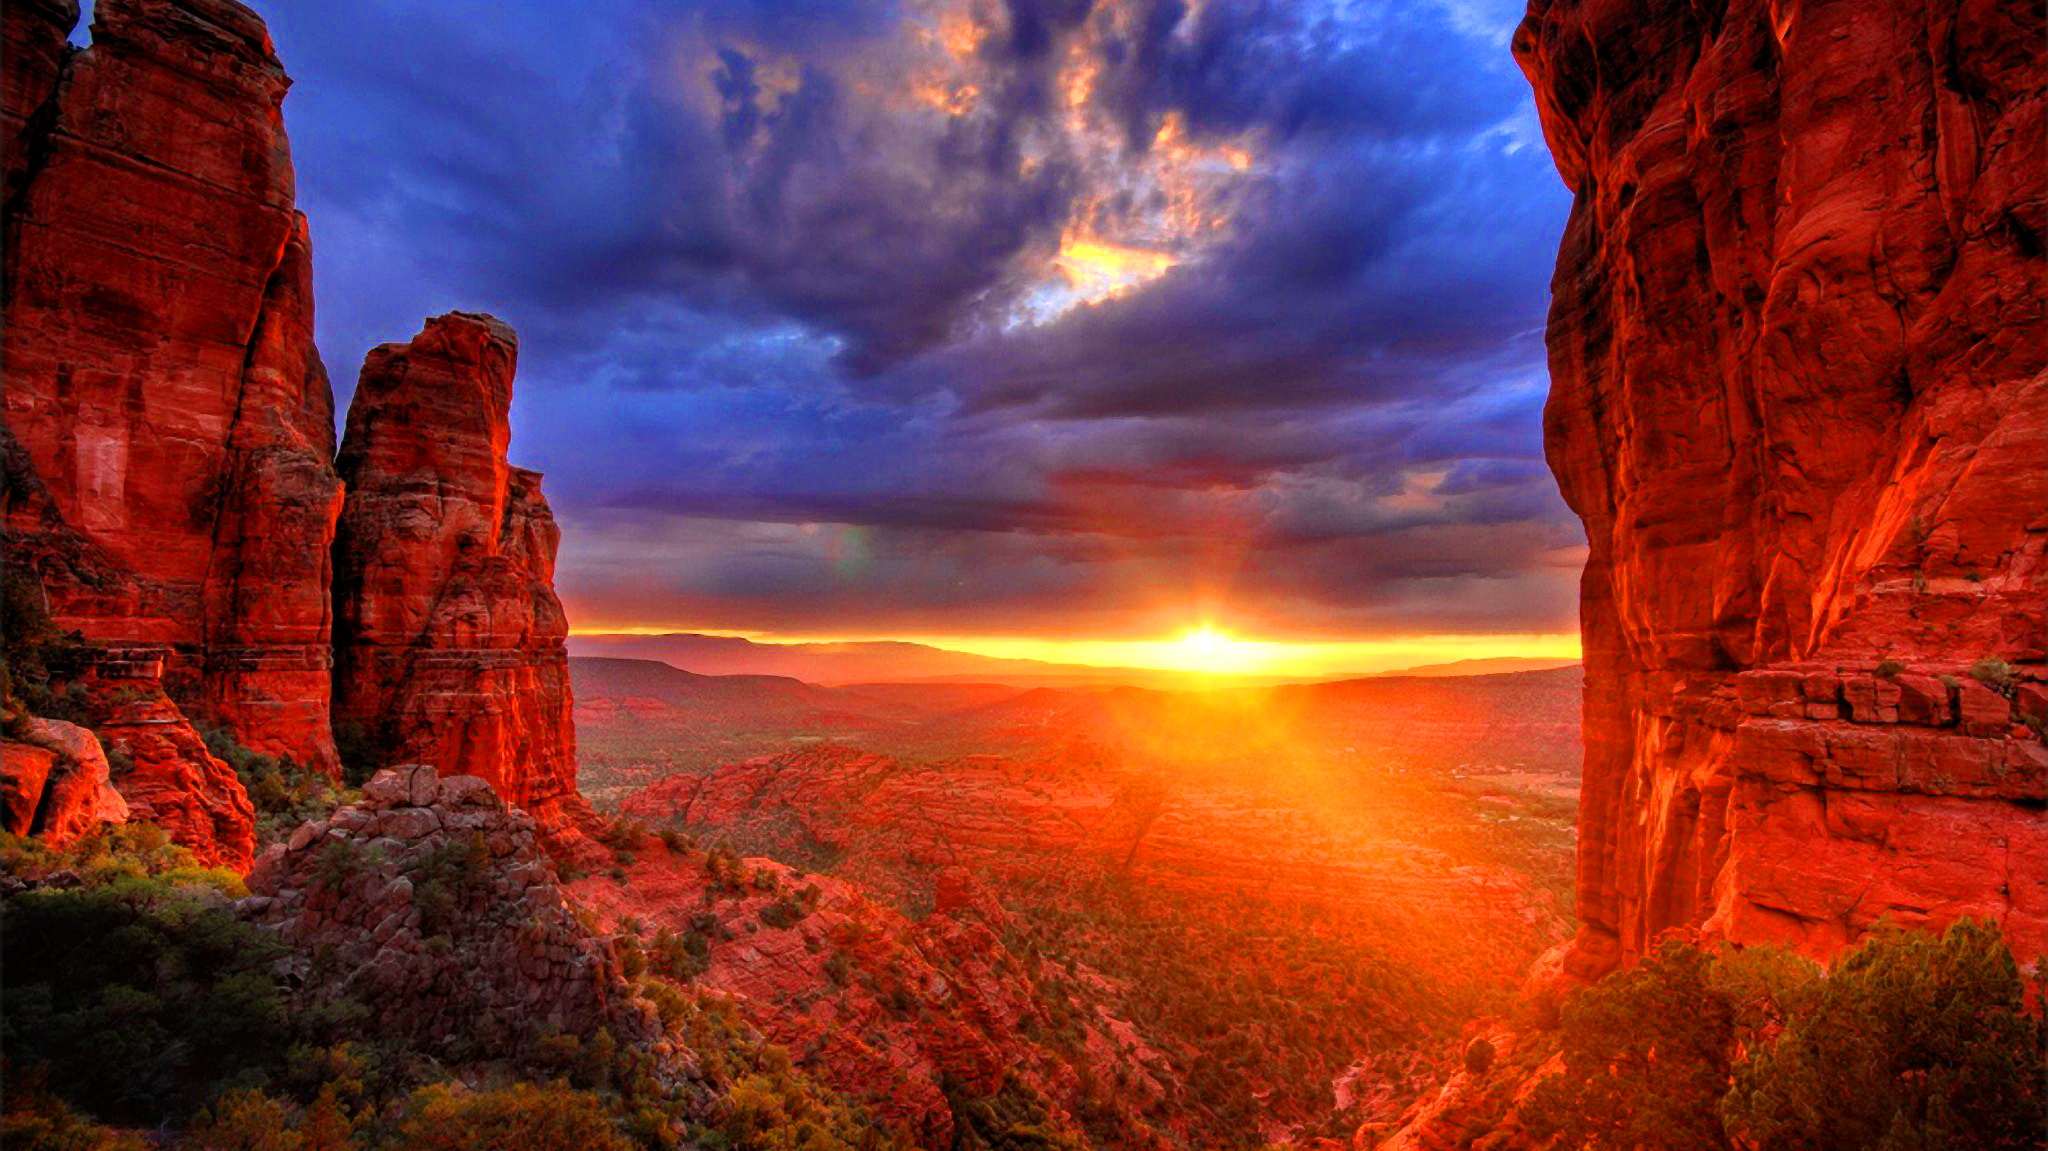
[1211,918]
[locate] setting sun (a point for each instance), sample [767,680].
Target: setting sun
[1209,650]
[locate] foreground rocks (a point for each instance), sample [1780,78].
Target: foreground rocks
[54,782]
[168,424]
[1799,399]
[430,905]
[449,637]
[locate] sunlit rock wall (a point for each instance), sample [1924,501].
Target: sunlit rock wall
[1797,345]
[168,424]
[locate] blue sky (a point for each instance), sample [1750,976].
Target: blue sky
[1038,317]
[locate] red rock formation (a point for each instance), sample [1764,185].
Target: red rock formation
[449,640]
[171,418]
[430,906]
[54,782]
[163,767]
[1797,347]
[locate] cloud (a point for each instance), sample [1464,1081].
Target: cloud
[1073,312]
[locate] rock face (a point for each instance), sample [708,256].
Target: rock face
[431,905]
[54,782]
[1797,348]
[168,422]
[449,640]
[163,767]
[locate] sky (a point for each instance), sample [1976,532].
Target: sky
[1011,323]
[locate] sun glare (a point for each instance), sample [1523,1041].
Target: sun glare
[1209,650]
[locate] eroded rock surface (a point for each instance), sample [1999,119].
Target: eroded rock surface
[431,905]
[1797,348]
[163,767]
[449,638]
[169,424]
[54,782]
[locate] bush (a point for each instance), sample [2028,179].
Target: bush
[551,1118]
[244,1120]
[1646,1055]
[145,996]
[1914,1041]
[284,793]
[1993,673]
[33,1119]
[1890,668]
[1479,1056]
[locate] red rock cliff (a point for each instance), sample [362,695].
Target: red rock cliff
[168,424]
[449,640]
[1797,345]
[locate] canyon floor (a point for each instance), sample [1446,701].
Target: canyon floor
[1193,918]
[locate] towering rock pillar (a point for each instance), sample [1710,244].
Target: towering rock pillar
[168,425]
[1800,398]
[449,640]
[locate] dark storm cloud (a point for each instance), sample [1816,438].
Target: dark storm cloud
[761,285]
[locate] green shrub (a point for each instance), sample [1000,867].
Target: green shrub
[1646,1055]
[284,793]
[141,995]
[1890,668]
[1016,1118]
[1914,1042]
[1993,673]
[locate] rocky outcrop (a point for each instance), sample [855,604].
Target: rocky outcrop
[168,422]
[54,782]
[430,906]
[1797,349]
[163,767]
[449,640]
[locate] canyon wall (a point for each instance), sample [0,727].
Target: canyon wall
[449,640]
[169,422]
[1797,344]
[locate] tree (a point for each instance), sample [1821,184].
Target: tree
[1914,1042]
[1647,1054]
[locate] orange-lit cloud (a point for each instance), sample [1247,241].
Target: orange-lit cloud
[1097,270]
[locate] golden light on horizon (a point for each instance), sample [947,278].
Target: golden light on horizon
[1202,651]
[1207,649]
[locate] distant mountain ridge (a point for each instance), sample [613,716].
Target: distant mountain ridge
[839,664]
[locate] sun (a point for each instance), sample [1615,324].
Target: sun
[1211,650]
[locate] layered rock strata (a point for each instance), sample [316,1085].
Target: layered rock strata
[449,639]
[169,424]
[163,768]
[1797,346]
